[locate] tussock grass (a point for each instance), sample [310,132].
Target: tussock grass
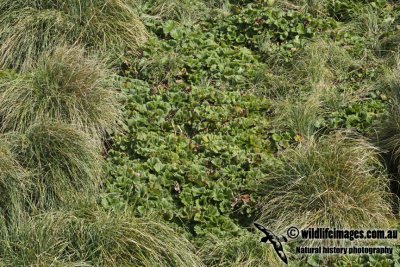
[14,185]
[369,23]
[29,28]
[320,65]
[388,134]
[389,45]
[388,138]
[323,61]
[242,251]
[64,86]
[320,70]
[185,11]
[65,163]
[303,118]
[336,181]
[315,7]
[89,236]
[276,81]
[175,9]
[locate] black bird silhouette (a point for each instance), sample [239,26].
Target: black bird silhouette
[275,241]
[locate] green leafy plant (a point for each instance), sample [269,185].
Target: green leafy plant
[191,156]
[217,110]
[195,57]
[270,30]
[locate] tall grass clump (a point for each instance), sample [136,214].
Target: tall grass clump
[242,251]
[64,86]
[184,11]
[320,66]
[65,163]
[389,46]
[315,7]
[89,236]
[14,185]
[388,134]
[323,61]
[30,27]
[302,118]
[336,181]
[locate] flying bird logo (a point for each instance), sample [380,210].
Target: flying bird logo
[275,241]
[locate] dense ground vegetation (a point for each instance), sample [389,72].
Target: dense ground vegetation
[154,133]
[234,103]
